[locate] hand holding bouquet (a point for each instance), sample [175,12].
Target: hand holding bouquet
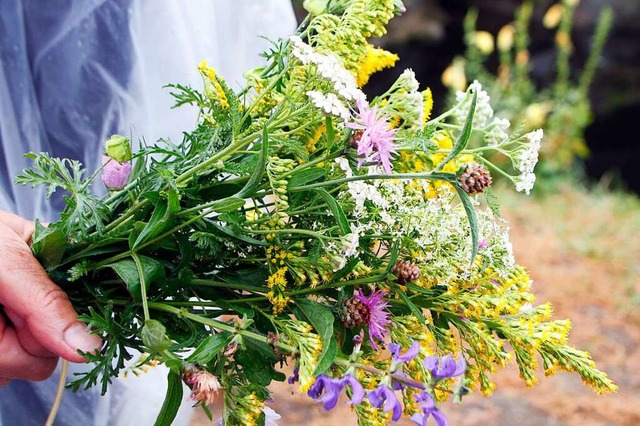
[300,223]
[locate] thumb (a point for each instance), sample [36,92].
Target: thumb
[27,291]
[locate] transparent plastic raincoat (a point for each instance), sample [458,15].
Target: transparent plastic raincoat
[74,72]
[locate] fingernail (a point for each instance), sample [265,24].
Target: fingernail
[79,338]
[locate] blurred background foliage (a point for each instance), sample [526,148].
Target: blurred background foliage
[558,57]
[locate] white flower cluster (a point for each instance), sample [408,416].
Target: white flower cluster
[440,230]
[329,103]
[496,130]
[329,67]
[405,100]
[526,160]
[483,112]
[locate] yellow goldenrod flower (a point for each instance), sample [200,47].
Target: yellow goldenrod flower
[375,59]
[427,104]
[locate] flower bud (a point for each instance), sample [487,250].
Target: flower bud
[115,175]
[315,7]
[119,148]
[154,336]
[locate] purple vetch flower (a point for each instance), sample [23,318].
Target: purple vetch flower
[332,388]
[378,316]
[445,367]
[115,175]
[376,138]
[410,354]
[483,244]
[385,395]
[428,406]
[295,377]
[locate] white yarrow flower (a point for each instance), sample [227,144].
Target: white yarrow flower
[329,103]
[498,132]
[525,182]
[483,112]
[527,158]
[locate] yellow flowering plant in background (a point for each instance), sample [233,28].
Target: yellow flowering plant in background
[356,240]
[562,110]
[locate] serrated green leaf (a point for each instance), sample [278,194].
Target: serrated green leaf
[321,319]
[463,139]
[471,217]
[210,347]
[492,201]
[172,400]
[335,208]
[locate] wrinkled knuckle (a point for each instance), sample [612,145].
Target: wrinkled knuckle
[51,298]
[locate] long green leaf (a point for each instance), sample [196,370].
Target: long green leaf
[472,217]
[210,347]
[463,140]
[161,219]
[257,175]
[172,400]
[335,208]
[407,301]
[321,319]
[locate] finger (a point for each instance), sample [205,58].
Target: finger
[28,342]
[20,226]
[16,363]
[27,291]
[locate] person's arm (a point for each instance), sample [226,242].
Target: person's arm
[38,324]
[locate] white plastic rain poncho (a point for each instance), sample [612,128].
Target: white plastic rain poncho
[72,73]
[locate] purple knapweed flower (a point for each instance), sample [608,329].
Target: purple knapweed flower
[376,141]
[428,406]
[332,388]
[383,394]
[445,367]
[115,175]
[410,354]
[378,316]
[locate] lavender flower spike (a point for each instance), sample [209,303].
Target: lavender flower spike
[428,409]
[384,394]
[410,354]
[445,367]
[331,387]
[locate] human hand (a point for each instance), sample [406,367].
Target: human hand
[43,325]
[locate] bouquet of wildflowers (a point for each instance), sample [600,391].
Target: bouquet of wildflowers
[300,223]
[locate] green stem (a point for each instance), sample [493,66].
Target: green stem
[435,176]
[143,286]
